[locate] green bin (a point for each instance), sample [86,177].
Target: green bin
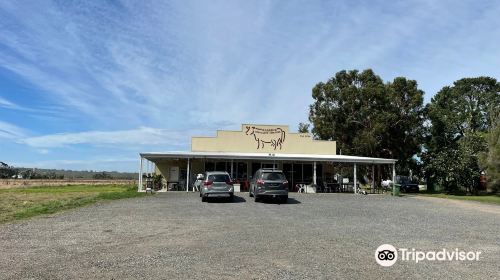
[396,188]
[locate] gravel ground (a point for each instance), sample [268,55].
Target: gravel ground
[314,236]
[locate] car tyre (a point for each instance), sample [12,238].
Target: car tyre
[256,198]
[203,199]
[284,199]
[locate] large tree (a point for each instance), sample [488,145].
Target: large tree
[460,117]
[490,160]
[7,171]
[368,117]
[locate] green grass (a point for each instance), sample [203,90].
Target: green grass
[491,198]
[22,203]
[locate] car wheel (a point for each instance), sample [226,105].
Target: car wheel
[256,198]
[231,197]
[284,199]
[203,199]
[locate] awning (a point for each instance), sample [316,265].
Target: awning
[157,156]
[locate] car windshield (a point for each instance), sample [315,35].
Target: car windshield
[273,176]
[219,178]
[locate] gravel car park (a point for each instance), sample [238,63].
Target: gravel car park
[313,236]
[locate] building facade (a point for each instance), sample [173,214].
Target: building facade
[241,153]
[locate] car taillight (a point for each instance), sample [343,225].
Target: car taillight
[285,184]
[260,182]
[208,183]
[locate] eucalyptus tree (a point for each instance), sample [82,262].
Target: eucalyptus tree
[368,117]
[460,117]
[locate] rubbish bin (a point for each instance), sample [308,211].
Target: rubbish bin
[396,188]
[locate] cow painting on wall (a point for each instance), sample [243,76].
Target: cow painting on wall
[273,136]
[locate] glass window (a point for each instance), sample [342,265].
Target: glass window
[308,173]
[273,176]
[220,166]
[297,173]
[219,178]
[255,167]
[241,171]
[210,166]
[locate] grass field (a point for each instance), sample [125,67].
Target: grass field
[24,203]
[481,198]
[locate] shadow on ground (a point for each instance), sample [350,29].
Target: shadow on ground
[276,201]
[236,199]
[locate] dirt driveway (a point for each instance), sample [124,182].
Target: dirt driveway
[314,236]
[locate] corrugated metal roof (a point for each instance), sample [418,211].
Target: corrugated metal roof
[156,156]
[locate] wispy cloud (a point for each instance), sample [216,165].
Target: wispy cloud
[10,131]
[135,73]
[147,136]
[9,105]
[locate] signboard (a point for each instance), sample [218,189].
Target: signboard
[261,138]
[275,137]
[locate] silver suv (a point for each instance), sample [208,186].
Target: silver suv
[269,182]
[216,184]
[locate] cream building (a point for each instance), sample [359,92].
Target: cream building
[241,153]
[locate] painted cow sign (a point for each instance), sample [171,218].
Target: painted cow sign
[273,136]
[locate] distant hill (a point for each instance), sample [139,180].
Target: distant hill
[41,173]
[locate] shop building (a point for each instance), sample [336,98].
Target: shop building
[304,160]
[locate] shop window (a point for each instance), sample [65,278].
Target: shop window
[220,166]
[308,173]
[241,171]
[210,166]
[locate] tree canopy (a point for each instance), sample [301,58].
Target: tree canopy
[368,117]
[490,160]
[460,115]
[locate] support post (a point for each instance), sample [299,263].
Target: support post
[139,186]
[355,180]
[393,176]
[314,173]
[187,176]
[373,178]
[232,174]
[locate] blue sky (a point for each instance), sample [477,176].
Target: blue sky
[90,84]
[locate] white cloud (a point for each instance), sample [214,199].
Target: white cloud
[7,104]
[43,151]
[129,74]
[182,61]
[129,138]
[10,131]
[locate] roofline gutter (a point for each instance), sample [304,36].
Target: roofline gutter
[311,158]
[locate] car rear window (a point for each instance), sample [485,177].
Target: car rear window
[273,176]
[218,178]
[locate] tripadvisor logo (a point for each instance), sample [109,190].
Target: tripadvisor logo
[387,255]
